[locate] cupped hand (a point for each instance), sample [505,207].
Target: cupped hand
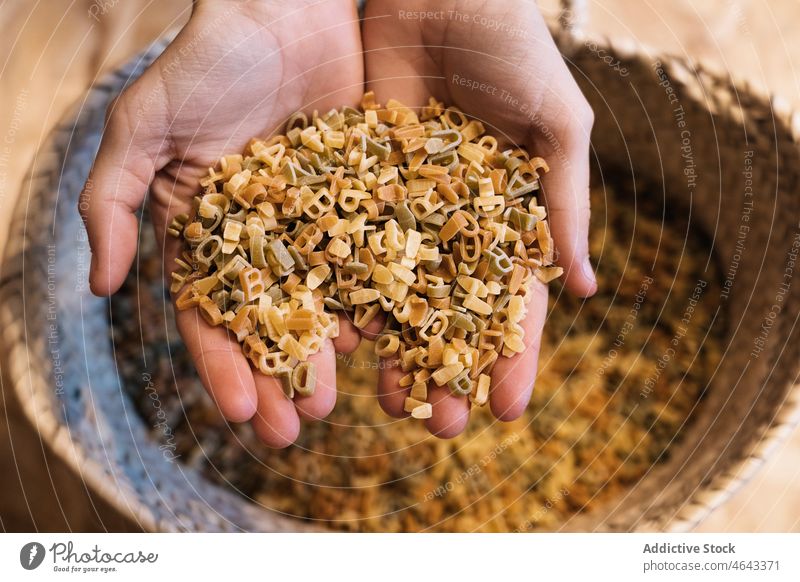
[497,62]
[236,70]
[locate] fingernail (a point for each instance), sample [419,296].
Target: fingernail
[92,269]
[588,272]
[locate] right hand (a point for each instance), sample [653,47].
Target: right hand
[237,70]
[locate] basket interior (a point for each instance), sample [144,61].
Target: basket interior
[724,157]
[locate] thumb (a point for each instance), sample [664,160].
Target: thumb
[566,194]
[116,187]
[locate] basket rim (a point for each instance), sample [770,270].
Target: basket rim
[723,485]
[55,434]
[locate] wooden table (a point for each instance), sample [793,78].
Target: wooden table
[51,51]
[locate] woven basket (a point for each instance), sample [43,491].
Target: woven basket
[60,360]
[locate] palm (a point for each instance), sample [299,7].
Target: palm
[504,83]
[234,72]
[227,92]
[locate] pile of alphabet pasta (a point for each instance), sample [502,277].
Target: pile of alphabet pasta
[421,217]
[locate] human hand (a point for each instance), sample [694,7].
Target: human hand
[237,70]
[496,61]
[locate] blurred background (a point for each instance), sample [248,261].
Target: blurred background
[51,52]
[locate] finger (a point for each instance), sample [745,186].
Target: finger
[117,184]
[374,328]
[391,395]
[450,412]
[566,193]
[321,402]
[349,337]
[276,422]
[513,378]
[223,368]
[170,197]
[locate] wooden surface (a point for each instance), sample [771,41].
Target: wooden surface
[51,51]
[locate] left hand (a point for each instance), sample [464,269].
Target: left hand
[497,62]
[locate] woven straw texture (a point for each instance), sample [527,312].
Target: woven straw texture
[63,369]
